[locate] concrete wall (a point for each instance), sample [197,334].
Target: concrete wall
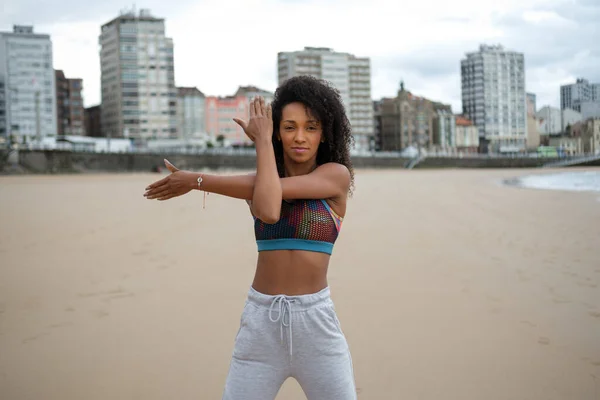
[66,161]
[481,162]
[53,162]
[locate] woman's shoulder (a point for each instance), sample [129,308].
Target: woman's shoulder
[335,170]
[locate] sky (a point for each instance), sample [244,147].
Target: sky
[220,45]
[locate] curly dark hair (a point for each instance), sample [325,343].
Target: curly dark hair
[324,102]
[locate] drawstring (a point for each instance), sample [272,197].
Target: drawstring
[285,304]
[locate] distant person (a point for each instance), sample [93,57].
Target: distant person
[297,197]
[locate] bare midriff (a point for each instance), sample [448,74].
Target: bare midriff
[290,272]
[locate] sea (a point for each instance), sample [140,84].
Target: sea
[576,181]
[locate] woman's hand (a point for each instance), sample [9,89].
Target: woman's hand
[260,126]
[176,184]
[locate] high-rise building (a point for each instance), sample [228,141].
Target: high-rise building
[190,112]
[139,98]
[69,105]
[493,96]
[349,74]
[27,87]
[573,96]
[590,109]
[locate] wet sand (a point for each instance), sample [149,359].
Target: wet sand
[448,285]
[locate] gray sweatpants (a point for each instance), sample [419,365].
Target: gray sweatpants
[290,336]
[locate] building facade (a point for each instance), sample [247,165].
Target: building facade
[27,85]
[552,121]
[591,136]
[549,121]
[533,135]
[376,141]
[590,109]
[569,118]
[408,120]
[568,145]
[69,105]
[190,112]
[219,115]
[139,98]
[493,96]
[573,96]
[93,121]
[444,130]
[349,74]
[531,103]
[467,135]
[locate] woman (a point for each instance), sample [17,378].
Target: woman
[297,198]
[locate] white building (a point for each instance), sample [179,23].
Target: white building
[552,121]
[493,96]
[190,112]
[27,85]
[590,109]
[350,75]
[139,98]
[569,118]
[549,121]
[582,91]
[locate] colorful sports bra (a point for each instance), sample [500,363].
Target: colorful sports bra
[303,225]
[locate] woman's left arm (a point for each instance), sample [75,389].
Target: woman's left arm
[267,191]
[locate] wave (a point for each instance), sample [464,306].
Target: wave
[582,181]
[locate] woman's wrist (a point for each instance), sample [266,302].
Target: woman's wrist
[196,180]
[263,141]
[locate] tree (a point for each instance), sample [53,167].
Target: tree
[221,140]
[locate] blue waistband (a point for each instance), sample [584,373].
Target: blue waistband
[295,244]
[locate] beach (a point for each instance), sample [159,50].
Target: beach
[448,285]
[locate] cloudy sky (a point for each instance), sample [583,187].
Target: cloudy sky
[220,45]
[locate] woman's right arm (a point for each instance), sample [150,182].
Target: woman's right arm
[236,186]
[327,181]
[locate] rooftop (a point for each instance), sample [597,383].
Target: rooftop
[24,31]
[462,121]
[130,15]
[189,91]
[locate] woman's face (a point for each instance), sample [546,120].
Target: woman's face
[300,133]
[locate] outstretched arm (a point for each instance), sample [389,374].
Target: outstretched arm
[327,181]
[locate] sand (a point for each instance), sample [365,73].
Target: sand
[448,285]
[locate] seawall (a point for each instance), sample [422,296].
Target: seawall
[58,162]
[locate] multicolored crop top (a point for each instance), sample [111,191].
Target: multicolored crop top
[303,225]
